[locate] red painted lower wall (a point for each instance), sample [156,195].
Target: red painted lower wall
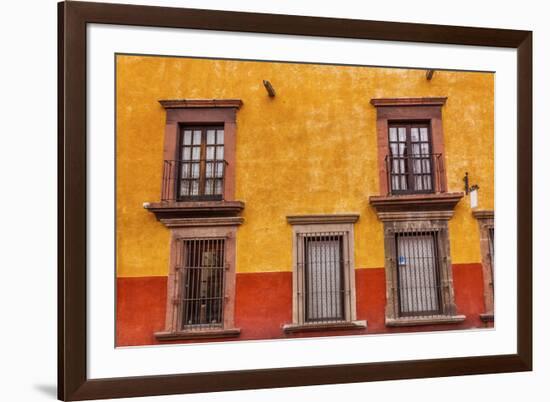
[263,305]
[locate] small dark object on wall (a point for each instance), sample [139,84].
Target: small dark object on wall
[269,88]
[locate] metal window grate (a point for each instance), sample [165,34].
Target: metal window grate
[323,259]
[419,281]
[203,283]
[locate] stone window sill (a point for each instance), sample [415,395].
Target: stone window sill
[487,317]
[198,334]
[413,321]
[332,326]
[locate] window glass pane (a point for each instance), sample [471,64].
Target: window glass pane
[393,134]
[196,153]
[186,153]
[184,188]
[402,148]
[424,134]
[195,170]
[426,165]
[209,169]
[218,189]
[417,168]
[187,137]
[210,153]
[220,136]
[211,136]
[197,137]
[402,133]
[208,187]
[185,170]
[425,148]
[404,185]
[194,187]
[219,169]
[414,134]
[416,149]
[418,183]
[427,181]
[219,153]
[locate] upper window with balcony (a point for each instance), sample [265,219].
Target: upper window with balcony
[410,146]
[198,173]
[411,164]
[199,157]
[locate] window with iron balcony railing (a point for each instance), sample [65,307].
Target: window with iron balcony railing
[411,165]
[199,173]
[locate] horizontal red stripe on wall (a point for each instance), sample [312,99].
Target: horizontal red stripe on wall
[263,305]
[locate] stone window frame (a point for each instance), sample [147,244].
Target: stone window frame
[401,110]
[426,221]
[180,112]
[311,224]
[191,229]
[486,221]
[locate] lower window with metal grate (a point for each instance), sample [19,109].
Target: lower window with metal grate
[322,277]
[418,274]
[203,281]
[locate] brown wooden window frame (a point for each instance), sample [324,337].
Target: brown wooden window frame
[408,160]
[217,166]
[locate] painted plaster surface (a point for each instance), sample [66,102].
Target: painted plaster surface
[310,150]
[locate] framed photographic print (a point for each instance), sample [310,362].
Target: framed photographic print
[253,200]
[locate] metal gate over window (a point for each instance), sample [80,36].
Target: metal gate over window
[203,283]
[323,259]
[418,272]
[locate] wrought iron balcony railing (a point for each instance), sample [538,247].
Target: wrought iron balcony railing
[193,180]
[415,174]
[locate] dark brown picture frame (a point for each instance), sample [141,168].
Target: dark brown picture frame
[73,382]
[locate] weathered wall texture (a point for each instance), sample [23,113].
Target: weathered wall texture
[311,149]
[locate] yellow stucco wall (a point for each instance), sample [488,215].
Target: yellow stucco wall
[311,149]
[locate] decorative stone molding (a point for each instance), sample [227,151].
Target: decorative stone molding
[210,334]
[334,326]
[417,206]
[200,103]
[321,219]
[407,322]
[166,212]
[433,101]
[484,214]
[415,215]
[199,222]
